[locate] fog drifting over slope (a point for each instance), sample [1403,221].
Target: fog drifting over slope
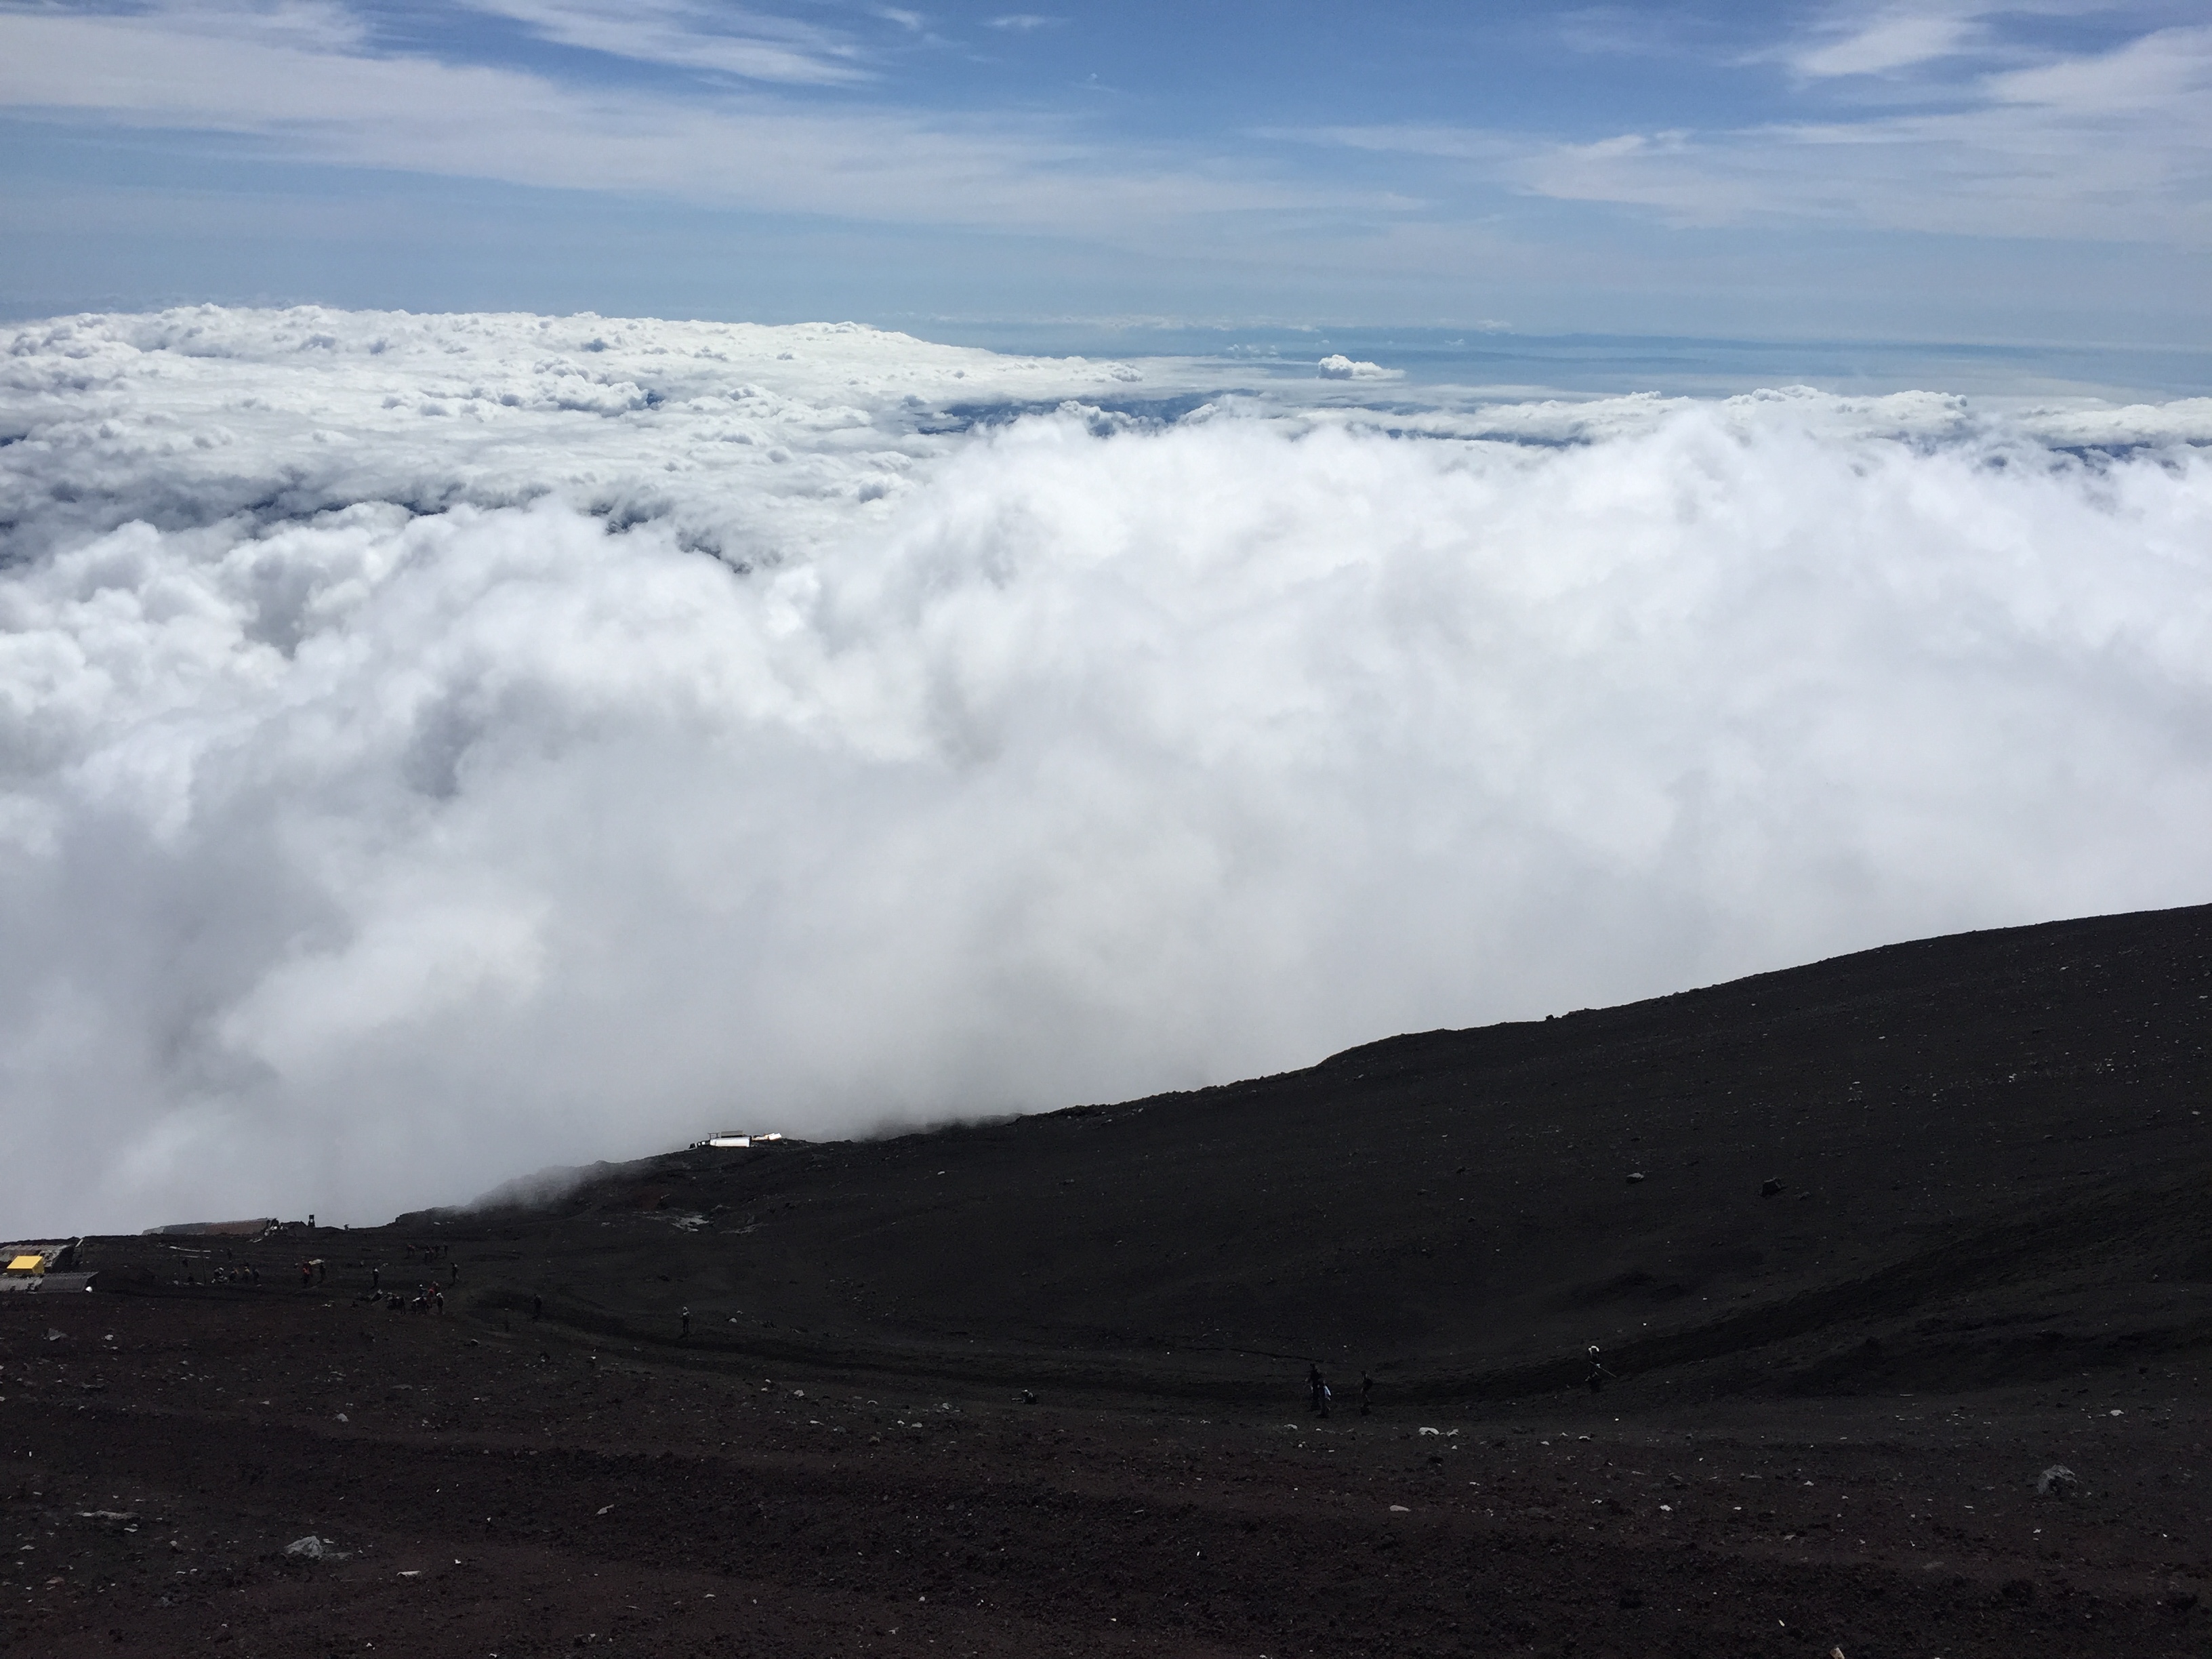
[434,748]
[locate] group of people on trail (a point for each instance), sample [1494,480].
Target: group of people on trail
[1320,1396]
[427,1295]
[314,1271]
[427,1298]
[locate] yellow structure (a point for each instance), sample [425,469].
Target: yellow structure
[28,1264]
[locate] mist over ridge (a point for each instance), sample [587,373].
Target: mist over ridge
[436,747]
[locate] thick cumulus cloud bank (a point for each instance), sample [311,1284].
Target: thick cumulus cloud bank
[433,748]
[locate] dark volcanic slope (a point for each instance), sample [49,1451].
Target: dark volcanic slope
[1992,1150]
[1990,1254]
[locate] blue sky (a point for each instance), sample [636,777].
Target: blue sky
[2039,173]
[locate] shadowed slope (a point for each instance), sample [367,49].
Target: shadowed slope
[1991,1151]
[1989,1146]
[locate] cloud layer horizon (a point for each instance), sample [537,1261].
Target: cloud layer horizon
[432,748]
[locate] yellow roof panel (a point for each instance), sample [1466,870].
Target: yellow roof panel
[26,1264]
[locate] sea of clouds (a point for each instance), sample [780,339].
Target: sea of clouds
[432,748]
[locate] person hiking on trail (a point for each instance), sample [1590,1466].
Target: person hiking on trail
[1317,1388]
[376,1278]
[307,1276]
[454,1268]
[1366,1389]
[686,1317]
[538,1307]
[1598,1372]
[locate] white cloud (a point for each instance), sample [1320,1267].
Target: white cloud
[411,113]
[2113,146]
[309,25]
[739,438]
[691,35]
[1893,38]
[1025,22]
[2163,76]
[361,848]
[1338,367]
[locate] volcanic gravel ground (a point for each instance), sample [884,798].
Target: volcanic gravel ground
[493,1501]
[1986,1251]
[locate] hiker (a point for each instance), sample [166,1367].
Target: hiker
[1366,1389]
[454,1268]
[1598,1372]
[538,1307]
[307,1276]
[686,1316]
[1317,1387]
[376,1278]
